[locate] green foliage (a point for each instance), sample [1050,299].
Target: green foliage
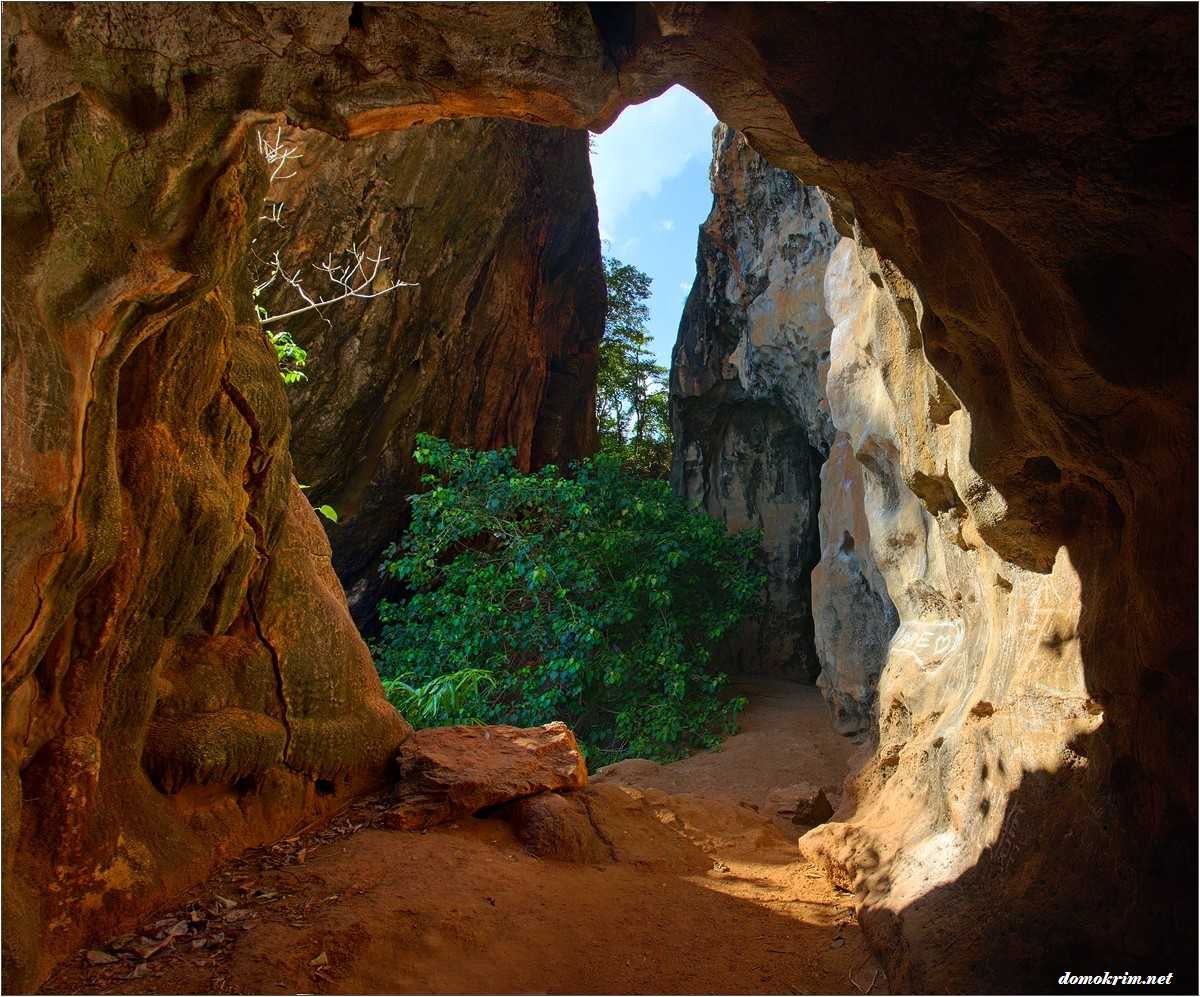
[291,356]
[329,512]
[594,599]
[451,698]
[631,394]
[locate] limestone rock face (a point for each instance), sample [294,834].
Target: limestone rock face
[1030,170]
[985,648]
[747,393]
[853,614]
[496,222]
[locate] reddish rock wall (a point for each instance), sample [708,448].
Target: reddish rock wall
[182,678]
[496,222]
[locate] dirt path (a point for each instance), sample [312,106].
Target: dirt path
[784,738]
[707,896]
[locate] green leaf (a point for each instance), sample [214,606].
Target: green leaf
[577,591]
[329,512]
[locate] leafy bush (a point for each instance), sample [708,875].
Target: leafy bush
[594,599]
[288,352]
[454,698]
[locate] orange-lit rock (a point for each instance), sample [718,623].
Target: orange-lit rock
[449,772]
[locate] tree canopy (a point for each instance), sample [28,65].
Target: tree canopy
[632,411]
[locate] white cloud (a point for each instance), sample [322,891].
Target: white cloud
[648,144]
[685,286]
[665,224]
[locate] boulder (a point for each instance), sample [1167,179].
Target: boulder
[450,772]
[560,827]
[803,804]
[609,822]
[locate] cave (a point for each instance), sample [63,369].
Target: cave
[1009,202]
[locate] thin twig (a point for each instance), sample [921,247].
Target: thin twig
[857,986]
[350,276]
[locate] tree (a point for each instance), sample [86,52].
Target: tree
[594,598]
[631,391]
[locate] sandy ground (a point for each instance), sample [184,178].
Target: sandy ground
[709,896]
[784,738]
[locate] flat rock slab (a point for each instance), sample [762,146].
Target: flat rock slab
[449,772]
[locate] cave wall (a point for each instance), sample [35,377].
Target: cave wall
[1031,170]
[854,618]
[750,425]
[496,222]
[983,704]
[181,677]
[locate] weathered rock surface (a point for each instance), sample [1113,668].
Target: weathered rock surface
[1031,170]
[559,827]
[853,614]
[496,221]
[182,677]
[449,772]
[983,701]
[615,823]
[747,388]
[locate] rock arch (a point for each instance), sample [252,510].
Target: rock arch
[1026,179]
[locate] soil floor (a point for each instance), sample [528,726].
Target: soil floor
[708,895]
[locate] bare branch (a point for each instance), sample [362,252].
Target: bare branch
[277,154]
[348,276]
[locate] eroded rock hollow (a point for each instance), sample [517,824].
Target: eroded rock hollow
[1018,185]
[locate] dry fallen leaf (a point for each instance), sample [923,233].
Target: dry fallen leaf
[99,958]
[321,960]
[146,948]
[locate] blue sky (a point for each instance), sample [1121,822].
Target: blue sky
[651,175]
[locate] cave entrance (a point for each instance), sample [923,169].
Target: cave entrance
[650,175]
[735,323]
[650,170]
